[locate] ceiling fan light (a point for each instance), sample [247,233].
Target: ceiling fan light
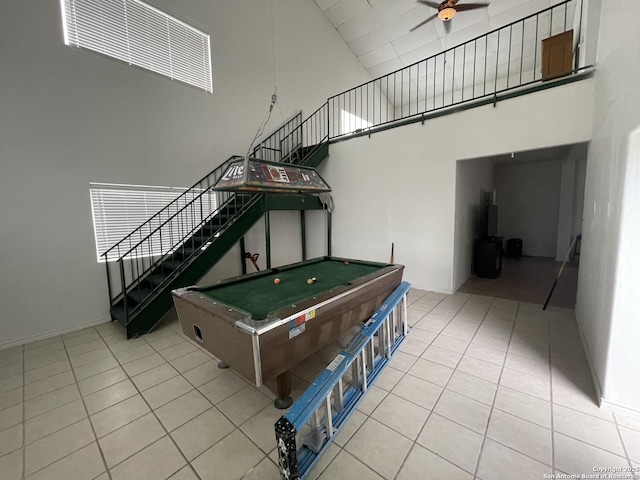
[446,14]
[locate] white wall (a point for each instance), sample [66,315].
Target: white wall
[474,180]
[528,199]
[590,31]
[607,301]
[399,185]
[69,117]
[578,195]
[565,207]
[572,182]
[624,354]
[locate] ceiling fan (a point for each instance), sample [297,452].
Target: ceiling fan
[446,11]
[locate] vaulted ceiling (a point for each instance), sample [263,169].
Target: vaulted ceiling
[378,31]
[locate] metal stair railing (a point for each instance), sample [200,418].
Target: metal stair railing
[309,426]
[176,240]
[174,236]
[299,143]
[187,247]
[278,146]
[314,131]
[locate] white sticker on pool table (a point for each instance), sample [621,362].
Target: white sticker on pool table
[295,331]
[336,361]
[296,326]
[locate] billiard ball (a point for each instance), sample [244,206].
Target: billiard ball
[309,281]
[276,281]
[346,262]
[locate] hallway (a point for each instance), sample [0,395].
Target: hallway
[529,279]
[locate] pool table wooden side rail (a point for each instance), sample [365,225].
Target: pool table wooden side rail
[260,351]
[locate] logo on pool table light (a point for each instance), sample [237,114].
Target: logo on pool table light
[278,174]
[298,324]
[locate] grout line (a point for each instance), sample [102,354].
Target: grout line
[352,456]
[153,412]
[484,438]
[236,428]
[431,411]
[73,423]
[624,447]
[553,435]
[341,448]
[103,388]
[68,454]
[581,440]
[88,417]
[403,374]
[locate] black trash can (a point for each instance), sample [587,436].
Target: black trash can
[514,247]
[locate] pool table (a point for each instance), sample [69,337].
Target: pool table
[262,328]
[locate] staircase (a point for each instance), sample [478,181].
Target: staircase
[180,243]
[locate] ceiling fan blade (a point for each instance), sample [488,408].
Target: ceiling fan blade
[431,4]
[470,6]
[423,22]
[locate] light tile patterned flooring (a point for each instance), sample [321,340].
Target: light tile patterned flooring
[483,388]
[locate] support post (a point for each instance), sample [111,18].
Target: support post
[106,262]
[243,256]
[124,291]
[328,233]
[303,234]
[267,234]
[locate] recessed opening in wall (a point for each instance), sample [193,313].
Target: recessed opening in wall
[119,209]
[539,197]
[140,35]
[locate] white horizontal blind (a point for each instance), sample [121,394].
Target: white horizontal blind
[139,34]
[118,210]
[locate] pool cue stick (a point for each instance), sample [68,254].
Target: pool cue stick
[573,244]
[391,260]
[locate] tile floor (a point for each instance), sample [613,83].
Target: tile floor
[483,388]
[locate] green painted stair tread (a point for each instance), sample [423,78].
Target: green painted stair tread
[139,294]
[155,280]
[172,264]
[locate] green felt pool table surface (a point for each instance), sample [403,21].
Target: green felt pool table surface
[258,295]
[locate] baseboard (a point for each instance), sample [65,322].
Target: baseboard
[615,408]
[430,289]
[604,403]
[44,336]
[592,370]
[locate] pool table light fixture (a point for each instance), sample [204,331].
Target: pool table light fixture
[270,177]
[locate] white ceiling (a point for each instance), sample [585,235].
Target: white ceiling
[377,31]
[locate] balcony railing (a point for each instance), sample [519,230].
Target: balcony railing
[503,59]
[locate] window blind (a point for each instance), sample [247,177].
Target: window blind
[118,210]
[141,35]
